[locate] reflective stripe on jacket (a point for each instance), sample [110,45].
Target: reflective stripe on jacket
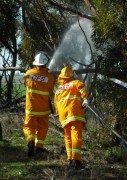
[68,101]
[39,83]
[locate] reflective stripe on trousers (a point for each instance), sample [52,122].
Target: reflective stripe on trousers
[30,138]
[35,128]
[37,113]
[33,138]
[72,118]
[73,139]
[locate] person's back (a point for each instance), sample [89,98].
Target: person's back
[39,84]
[68,100]
[68,104]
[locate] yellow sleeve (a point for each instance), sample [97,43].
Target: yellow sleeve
[82,89]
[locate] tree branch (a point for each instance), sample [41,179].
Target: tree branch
[109,74]
[67,8]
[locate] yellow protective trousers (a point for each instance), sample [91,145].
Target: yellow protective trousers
[35,129]
[73,139]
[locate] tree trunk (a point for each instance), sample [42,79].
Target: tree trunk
[1,135]
[10,86]
[0,85]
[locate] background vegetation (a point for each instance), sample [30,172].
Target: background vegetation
[27,27]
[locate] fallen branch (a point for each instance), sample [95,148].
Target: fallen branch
[13,69]
[80,71]
[117,75]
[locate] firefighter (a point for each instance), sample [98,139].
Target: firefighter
[68,104]
[39,85]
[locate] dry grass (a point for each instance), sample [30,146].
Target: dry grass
[14,163]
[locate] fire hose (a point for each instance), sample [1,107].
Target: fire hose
[105,124]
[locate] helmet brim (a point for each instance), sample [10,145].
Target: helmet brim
[40,64]
[67,77]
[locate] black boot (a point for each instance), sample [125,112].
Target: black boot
[69,161]
[31,146]
[39,150]
[77,165]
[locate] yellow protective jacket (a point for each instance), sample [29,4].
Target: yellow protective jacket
[39,84]
[68,100]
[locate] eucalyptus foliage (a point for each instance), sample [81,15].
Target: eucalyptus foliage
[42,29]
[110,30]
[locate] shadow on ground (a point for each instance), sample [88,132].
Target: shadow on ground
[50,168]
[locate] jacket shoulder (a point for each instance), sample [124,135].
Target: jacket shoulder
[28,71]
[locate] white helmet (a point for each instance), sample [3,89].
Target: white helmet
[40,59]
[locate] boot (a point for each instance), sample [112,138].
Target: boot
[39,150]
[31,146]
[69,161]
[77,165]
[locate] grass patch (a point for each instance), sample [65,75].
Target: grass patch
[14,163]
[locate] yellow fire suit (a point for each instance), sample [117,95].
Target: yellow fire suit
[39,84]
[68,104]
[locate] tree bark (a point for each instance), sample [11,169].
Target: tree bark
[1,135]
[68,8]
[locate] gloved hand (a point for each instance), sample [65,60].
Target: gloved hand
[85,103]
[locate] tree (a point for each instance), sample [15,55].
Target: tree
[40,24]
[45,23]
[111,58]
[9,14]
[109,37]
[42,29]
